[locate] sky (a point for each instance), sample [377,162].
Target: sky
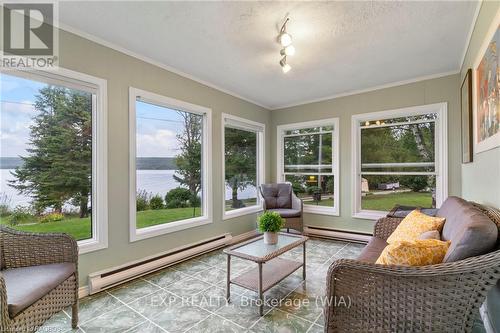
[157,126]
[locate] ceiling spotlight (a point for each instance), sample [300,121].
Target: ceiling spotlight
[289,50]
[285,39]
[284,66]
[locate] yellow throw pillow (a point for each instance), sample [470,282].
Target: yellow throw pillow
[419,252]
[413,225]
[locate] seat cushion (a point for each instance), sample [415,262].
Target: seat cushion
[277,195]
[287,213]
[372,250]
[470,231]
[419,252]
[27,285]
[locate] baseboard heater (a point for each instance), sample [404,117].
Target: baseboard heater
[108,278]
[323,232]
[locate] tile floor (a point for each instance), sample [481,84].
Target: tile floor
[190,297]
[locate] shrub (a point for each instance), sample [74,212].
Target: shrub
[52,217]
[195,201]
[415,183]
[176,204]
[20,215]
[142,200]
[313,189]
[156,202]
[4,205]
[271,222]
[179,195]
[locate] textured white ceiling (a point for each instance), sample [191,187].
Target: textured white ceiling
[341,46]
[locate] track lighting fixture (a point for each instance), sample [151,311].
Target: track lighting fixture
[285,39]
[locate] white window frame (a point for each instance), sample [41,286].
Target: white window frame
[259,129]
[281,129]
[441,152]
[98,87]
[171,103]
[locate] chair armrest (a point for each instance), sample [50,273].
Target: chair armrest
[297,203]
[23,249]
[385,226]
[397,296]
[4,311]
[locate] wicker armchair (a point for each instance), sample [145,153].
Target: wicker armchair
[436,298]
[31,252]
[281,199]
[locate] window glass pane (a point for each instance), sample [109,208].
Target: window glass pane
[168,165]
[45,157]
[430,116]
[240,158]
[384,192]
[308,153]
[389,148]
[314,190]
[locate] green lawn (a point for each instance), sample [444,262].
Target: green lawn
[385,202]
[81,228]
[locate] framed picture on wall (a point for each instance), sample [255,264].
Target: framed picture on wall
[466,116]
[486,83]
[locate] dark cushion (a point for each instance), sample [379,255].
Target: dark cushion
[372,250]
[470,231]
[26,285]
[277,195]
[287,212]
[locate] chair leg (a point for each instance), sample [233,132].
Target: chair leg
[288,230]
[74,315]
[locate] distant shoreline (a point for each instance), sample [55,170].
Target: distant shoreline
[142,163]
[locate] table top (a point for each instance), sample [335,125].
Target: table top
[256,250]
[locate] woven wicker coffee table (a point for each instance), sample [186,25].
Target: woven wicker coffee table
[270,269]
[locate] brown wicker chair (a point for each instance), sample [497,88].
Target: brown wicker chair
[25,255]
[436,298]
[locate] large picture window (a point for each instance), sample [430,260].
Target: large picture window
[309,161]
[169,144]
[53,155]
[399,159]
[243,165]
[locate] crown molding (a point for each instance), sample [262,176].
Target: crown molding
[471,30]
[374,88]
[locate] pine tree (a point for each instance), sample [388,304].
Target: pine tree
[188,162]
[240,161]
[58,167]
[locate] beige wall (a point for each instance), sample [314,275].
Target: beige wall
[481,178]
[122,71]
[444,89]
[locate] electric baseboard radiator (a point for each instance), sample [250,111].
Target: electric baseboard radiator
[108,278]
[337,234]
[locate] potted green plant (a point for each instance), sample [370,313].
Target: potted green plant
[270,223]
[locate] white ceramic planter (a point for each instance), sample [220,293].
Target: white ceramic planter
[270,238]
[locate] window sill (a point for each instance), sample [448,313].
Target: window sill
[166,228]
[241,212]
[321,210]
[91,245]
[369,215]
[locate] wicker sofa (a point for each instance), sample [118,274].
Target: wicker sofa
[436,298]
[38,278]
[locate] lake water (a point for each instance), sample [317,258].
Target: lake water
[153,181]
